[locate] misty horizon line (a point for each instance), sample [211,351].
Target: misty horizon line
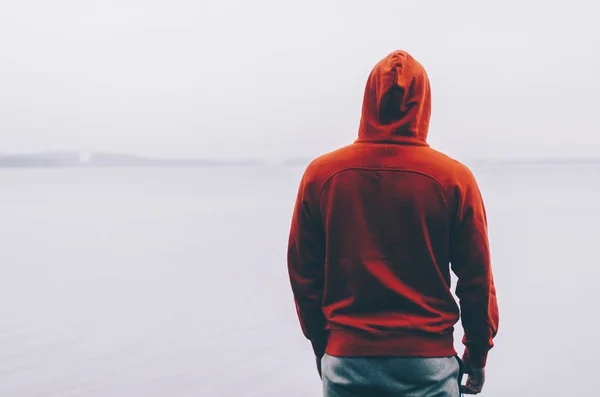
[304,157]
[81,158]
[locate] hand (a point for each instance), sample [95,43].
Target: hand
[475,380]
[318,359]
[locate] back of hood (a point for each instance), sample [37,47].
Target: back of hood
[397,102]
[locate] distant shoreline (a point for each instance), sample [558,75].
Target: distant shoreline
[104,160]
[72,159]
[539,161]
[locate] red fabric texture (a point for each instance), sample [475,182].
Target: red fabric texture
[379,225]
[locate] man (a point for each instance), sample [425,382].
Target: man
[376,228]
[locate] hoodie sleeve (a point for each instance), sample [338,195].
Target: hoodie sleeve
[306,260]
[470,258]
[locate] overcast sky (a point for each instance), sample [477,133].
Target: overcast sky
[277,79]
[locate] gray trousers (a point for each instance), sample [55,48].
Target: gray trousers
[390,376]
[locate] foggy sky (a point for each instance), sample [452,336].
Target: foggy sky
[276,79]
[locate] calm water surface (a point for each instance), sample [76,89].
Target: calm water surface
[173,282]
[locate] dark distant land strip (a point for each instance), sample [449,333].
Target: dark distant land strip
[540,161]
[103,159]
[73,159]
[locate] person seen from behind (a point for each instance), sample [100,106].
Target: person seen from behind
[377,228]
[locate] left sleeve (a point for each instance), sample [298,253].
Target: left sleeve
[306,261]
[470,258]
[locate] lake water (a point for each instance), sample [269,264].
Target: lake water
[173,282]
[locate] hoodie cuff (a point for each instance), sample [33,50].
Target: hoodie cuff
[475,358]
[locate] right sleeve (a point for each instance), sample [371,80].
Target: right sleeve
[470,259]
[306,261]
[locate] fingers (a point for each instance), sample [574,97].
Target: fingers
[471,387]
[468,390]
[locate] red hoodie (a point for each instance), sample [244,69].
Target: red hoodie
[375,228]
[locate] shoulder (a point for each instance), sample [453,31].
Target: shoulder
[323,166]
[450,169]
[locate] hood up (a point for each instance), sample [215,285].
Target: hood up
[397,102]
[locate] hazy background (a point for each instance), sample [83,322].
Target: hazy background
[172,282]
[276,79]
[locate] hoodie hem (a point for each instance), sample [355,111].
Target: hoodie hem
[398,344]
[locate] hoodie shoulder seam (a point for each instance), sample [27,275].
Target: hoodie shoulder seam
[384,169]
